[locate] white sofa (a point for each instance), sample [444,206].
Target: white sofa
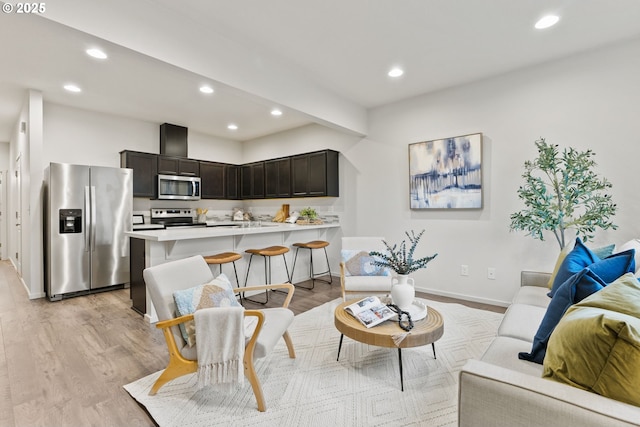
[502,390]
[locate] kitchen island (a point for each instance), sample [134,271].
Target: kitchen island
[154,247]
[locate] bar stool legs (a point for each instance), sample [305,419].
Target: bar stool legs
[225,258]
[267,254]
[316,244]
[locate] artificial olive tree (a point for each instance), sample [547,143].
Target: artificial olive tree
[561,192]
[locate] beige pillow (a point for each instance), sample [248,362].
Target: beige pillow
[596,345]
[561,257]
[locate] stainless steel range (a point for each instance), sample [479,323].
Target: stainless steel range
[173,218]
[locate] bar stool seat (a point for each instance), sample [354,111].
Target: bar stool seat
[270,251]
[222,258]
[314,244]
[225,258]
[267,253]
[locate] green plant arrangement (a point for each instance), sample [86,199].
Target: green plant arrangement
[309,213]
[561,192]
[399,259]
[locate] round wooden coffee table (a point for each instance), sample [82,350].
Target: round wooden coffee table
[425,331]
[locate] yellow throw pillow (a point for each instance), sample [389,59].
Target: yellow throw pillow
[561,257]
[596,345]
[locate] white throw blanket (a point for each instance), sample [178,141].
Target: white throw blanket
[220,346]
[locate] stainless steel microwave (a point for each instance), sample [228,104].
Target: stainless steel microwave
[176,187]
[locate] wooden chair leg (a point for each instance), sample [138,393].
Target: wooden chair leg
[171,372]
[177,366]
[250,374]
[287,340]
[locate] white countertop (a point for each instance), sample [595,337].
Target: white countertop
[222,231]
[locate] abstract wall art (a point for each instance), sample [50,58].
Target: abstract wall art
[446,173]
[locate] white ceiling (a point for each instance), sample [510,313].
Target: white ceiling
[316,60]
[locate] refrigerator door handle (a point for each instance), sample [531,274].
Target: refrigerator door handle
[87,211]
[93,218]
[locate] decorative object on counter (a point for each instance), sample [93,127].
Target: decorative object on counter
[446,173]
[238,215]
[562,191]
[202,214]
[309,216]
[282,214]
[402,262]
[291,219]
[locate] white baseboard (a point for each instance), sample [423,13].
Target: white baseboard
[464,297]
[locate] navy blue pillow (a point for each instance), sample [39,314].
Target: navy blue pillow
[614,266]
[579,258]
[575,289]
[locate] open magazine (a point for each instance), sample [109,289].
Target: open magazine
[370,311]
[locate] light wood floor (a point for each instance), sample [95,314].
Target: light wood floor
[64,363]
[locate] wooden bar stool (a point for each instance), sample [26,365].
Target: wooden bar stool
[225,258]
[316,244]
[267,253]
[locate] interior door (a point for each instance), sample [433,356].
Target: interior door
[3,214]
[18,215]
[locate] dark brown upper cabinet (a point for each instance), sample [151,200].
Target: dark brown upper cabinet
[145,170]
[232,174]
[168,165]
[252,181]
[315,174]
[277,178]
[213,180]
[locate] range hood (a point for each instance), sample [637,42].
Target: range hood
[173,140]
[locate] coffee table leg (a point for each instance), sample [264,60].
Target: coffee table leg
[400,364]
[339,347]
[433,346]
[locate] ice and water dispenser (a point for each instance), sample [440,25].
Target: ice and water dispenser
[70,221]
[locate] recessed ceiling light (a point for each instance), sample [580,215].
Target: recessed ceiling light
[96,53]
[547,21]
[206,89]
[232,126]
[72,88]
[276,112]
[395,72]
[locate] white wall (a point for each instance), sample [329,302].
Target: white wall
[587,101]
[4,156]
[25,200]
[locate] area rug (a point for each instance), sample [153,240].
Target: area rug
[361,389]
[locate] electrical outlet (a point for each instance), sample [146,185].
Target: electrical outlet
[464,270]
[491,273]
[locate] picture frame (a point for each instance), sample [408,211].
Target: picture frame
[446,173]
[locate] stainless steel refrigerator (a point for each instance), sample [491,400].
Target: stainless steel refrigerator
[88,209]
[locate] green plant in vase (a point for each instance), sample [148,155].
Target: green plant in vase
[401,260]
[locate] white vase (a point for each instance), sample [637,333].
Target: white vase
[403,291]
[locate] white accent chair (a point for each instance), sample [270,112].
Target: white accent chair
[359,286]
[162,280]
